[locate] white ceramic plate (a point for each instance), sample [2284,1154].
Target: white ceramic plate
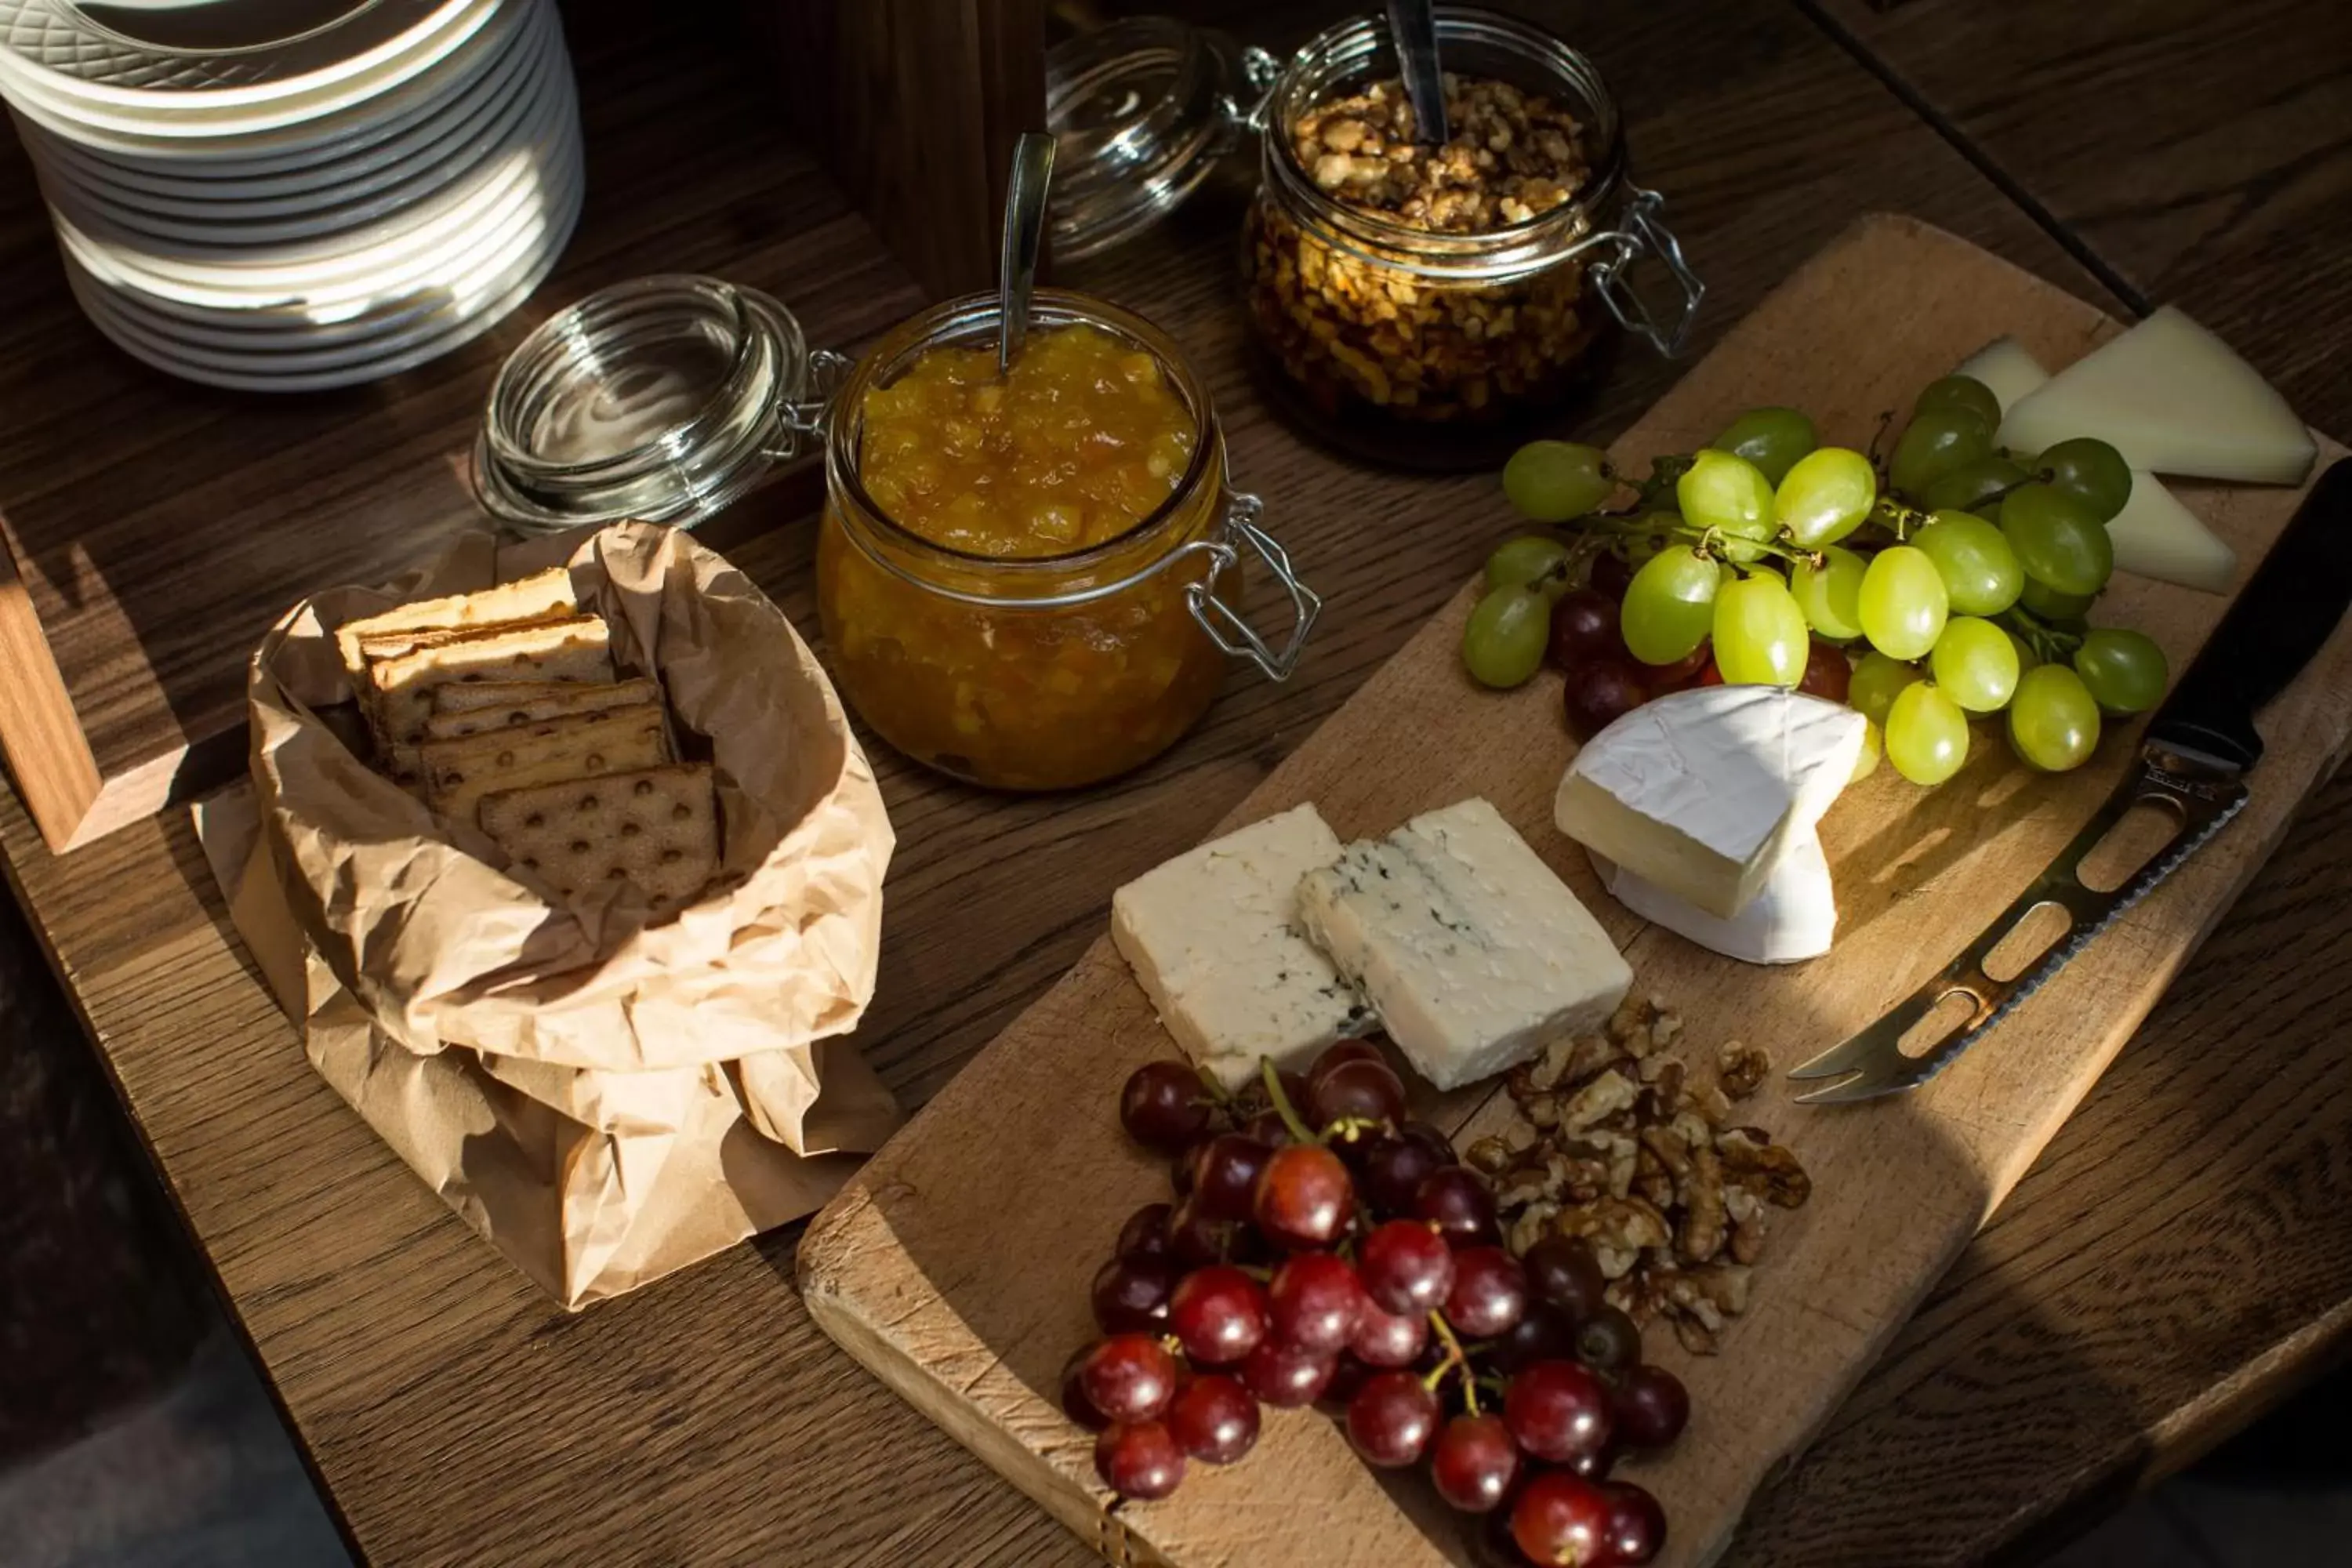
[225,53]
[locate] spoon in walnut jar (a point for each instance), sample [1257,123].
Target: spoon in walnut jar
[1024,237]
[1413,29]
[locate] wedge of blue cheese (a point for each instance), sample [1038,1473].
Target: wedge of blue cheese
[1471,952]
[1214,939]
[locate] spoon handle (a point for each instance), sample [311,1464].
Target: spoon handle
[1413,29]
[1024,237]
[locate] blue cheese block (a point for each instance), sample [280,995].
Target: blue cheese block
[1471,952]
[1214,940]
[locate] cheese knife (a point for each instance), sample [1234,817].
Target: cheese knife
[2193,764]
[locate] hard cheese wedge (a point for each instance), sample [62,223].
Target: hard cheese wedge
[2154,535]
[1214,939]
[1473,954]
[1703,792]
[2172,398]
[1793,918]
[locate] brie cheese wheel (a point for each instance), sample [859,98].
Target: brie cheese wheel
[1793,918]
[2174,399]
[2007,369]
[1471,952]
[1703,792]
[1214,940]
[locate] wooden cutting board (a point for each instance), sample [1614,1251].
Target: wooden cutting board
[956,1266]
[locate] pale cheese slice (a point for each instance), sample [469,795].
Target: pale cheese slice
[2007,369]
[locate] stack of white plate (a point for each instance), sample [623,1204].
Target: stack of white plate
[288,195]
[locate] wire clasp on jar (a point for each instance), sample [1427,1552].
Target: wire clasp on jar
[802,418]
[1222,621]
[1643,233]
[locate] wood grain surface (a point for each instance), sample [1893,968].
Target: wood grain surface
[955,1264]
[2131,1299]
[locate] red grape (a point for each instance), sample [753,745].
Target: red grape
[1474,1462]
[1195,1241]
[1562,1270]
[1180,1169]
[1636,1529]
[1456,1201]
[1337,1056]
[1226,1174]
[1406,1267]
[1347,1375]
[1393,1168]
[1608,1341]
[1558,1410]
[1564,1520]
[1286,1377]
[1213,1419]
[1652,1407]
[1164,1106]
[1827,674]
[1584,627]
[1388,1339]
[1596,1466]
[1355,1090]
[1599,692]
[1314,1302]
[1661,678]
[1709,676]
[1145,1233]
[1075,1403]
[1304,1197]
[1139,1459]
[1218,1314]
[1131,1294]
[1391,1419]
[1128,1377]
[1611,573]
[1489,1294]
[1545,1333]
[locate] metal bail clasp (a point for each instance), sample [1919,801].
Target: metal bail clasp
[1223,622]
[802,417]
[1644,233]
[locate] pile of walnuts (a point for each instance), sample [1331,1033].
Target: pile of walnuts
[1618,1142]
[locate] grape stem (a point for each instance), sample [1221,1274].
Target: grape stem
[1892,514]
[1455,1357]
[1282,1105]
[2050,644]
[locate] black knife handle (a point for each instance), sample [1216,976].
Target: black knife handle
[2278,623]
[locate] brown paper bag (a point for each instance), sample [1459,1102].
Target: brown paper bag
[605,1101]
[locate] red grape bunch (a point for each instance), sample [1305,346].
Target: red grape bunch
[1320,1249]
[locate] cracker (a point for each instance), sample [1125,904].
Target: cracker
[526,702]
[543,595]
[460,772]
[579,650]
[656,828]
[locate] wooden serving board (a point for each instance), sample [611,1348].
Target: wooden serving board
[956,1266]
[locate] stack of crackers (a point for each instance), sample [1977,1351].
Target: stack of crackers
[503,709]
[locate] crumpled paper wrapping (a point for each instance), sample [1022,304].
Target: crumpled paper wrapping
[605,1100]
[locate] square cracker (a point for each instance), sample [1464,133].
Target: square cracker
[579,650]
[656,828]
[514,703]
[460,772]
[543,595]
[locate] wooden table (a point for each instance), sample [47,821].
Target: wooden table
[2175,1263]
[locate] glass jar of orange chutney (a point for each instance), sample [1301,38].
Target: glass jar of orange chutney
[1033,580]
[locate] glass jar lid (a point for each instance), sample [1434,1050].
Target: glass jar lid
[662,399]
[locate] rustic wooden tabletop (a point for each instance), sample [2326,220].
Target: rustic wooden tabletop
[2175,1262]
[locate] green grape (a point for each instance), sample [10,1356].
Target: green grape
[2124,670]
[2090,471]
[2057,539]
[1552,481]
[1530,561]
[1866,763]
[2026,658]
[1971,485]
[1934,443]
[2050,605]
[1980,570]
[1876,681]
[1965,392]
[1829,594]
[1826,496]
[1669,606]
[2053,720]
[1503,642]
[1759,633]
[1721,492]
[1903,603]
[1927,735]
[1974,663]
[1771,438]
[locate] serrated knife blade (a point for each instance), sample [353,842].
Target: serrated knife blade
[2194,760]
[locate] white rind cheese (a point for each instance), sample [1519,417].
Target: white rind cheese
[2173,399]
[1703,792]
[1214,939]
[1474,954]
[1793,918]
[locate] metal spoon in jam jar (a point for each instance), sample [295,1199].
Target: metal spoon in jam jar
[1025,238]
[1412,26]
